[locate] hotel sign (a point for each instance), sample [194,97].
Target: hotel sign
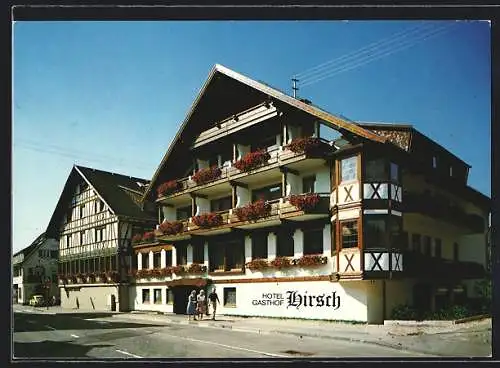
[295,299]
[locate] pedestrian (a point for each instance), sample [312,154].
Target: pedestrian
[202,304]
[191,305]
[214,300]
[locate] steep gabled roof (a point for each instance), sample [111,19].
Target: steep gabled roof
[219,71]
[32,247]
[121,193]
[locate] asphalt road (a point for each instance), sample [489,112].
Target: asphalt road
[98,335]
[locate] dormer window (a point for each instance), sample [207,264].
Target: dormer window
[451,171]
[434,162]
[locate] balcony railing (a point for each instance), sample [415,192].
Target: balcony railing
[419,265]
[255,214]
[435,206]
[278,157]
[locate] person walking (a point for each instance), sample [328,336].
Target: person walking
[202,304]
[214,300]
[191,305]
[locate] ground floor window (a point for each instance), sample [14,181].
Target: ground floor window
[157,296]
[313,241]
[230,297]
[181,253]
[349,234]
[170,296]
[145,296]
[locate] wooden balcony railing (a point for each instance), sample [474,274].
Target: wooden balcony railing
[436,206]
[278,156]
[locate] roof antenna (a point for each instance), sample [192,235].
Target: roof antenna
[294,87]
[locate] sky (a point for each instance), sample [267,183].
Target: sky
[112,95]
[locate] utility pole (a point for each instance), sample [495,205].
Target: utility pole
[294,87]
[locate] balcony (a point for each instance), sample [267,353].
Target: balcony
[251,216]
[419,265]
[437,207]
[217,180]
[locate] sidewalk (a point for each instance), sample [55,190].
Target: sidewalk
[471,339]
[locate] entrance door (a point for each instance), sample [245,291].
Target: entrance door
[181,294]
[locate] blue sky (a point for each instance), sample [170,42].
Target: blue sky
[111,95]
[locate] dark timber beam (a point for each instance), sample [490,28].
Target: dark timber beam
[238,184]
[285,169]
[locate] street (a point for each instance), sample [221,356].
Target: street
[38,334]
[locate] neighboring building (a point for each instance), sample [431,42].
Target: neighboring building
[34,270]
[290,211]
[93,221]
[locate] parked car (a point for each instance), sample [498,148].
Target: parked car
[37,300]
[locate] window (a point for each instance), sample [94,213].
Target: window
[53,254]
[99,234]
[226,155]
[170,296]
[82,210]
[156,260]
[451,170]
[415,242]
[259,245]
[68,241]
[99,206]
[376,170]
[437,248]
[394,172]
[41,253]
[268,193]
[313,241]
[221,204]
[198,253]
[69,215]
[145,260]
[145,296]
[349,233]
[216,257]
[434,162]
[230,297]
[284,246]
[455,252]
[83,239]
[184,213]
[375,231]
[348,169]
[168,258]
[308,184]
[264,143]
[427,245]
[181,254]
[157,296]
[235,256]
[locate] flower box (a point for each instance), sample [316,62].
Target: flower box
[196,268]
[311,260]
[305,202]
[171,228]
[281,262]
[253,211]
[208,220]
[137,238]
[308,145]
[252,160]
[148,236]
[178,270]
[168,187]
[112,276]
[206,175]
[90,278]
[257,264]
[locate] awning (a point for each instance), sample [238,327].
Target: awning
[197,282]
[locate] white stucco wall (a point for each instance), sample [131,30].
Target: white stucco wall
[135,299]
[89,297]
[202,206]
[351,300]
[293,184]
[242,196]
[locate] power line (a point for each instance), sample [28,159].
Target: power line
[75,154]
[388,40]
[375,56]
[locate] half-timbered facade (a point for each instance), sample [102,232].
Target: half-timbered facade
[290,211]
[93,222]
